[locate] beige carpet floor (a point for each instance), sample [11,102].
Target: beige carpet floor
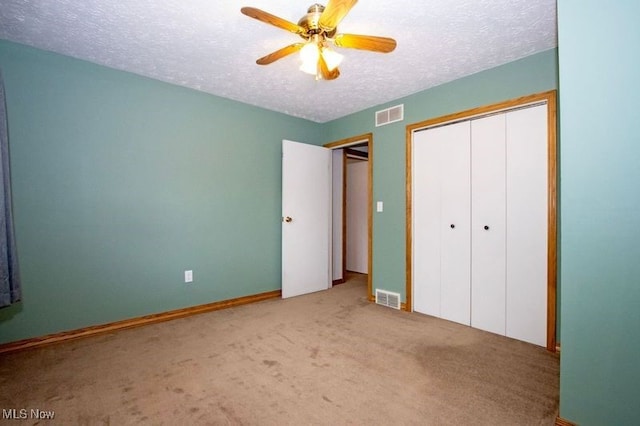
[326,358]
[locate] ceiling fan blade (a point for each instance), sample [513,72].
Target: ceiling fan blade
[324,70]
[280,53]
[373,43]
[268,18]
[335,11]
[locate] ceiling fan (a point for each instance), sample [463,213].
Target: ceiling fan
[318,29]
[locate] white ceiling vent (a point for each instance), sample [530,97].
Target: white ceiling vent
[390,115]
[388,298]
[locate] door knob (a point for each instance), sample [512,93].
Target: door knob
[287,219]
[486,227]
[453,226]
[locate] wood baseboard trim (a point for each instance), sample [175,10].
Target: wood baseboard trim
[134,322]
[562,422]
[340,281]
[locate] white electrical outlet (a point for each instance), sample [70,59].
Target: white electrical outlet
[188,276]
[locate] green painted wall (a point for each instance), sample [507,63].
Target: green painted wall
[120,183]
[536,73]
[599,64]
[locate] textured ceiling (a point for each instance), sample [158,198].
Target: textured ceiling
[209,45]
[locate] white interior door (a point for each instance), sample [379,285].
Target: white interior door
[455,228]
[527,224]
[357,202]
[441,251]
[426,221]
[336,235]
[488,217]
[306,213]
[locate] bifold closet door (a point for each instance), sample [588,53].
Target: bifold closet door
[480,222]
[441,220]
[527,224]
[488,223]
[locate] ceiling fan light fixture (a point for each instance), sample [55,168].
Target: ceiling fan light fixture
[332,58]
[309,55]
[319,30]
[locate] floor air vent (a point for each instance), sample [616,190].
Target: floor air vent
[387,298]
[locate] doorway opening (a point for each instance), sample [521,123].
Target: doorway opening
[352,189]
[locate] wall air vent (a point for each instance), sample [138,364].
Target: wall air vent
[390,115]
[387,298]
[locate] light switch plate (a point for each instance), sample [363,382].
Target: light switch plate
[379,206]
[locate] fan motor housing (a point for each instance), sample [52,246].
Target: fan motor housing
[310,22]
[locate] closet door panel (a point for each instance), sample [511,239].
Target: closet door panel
[455,226]
[488,218]
[527,224]
[441,268]
[426,213]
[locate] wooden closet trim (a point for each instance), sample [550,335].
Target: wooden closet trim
[552,263]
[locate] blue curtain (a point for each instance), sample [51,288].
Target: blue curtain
[10,290]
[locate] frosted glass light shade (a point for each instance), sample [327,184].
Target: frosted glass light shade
[332,58]
[309,55]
